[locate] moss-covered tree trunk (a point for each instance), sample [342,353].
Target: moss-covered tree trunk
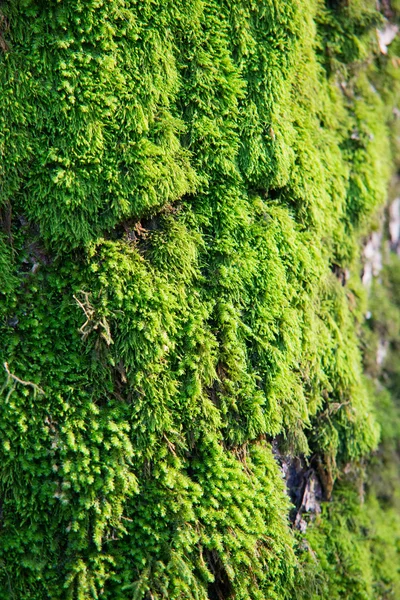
[184,190]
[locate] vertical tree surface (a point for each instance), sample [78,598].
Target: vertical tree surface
[184,191]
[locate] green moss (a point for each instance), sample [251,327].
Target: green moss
[189,184]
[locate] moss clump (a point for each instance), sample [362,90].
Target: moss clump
[186,187]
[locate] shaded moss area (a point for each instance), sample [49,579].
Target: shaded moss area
[183,191]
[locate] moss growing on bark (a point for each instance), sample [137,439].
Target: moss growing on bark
[184,187]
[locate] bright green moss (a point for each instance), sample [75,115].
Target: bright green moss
[189,183]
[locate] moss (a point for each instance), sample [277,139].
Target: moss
[189,185]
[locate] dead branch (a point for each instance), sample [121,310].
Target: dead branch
[21,381]
[91,323]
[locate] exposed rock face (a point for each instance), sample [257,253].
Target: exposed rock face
[372,250]
[386,36]
[373,260]
[372,257]
[303,486]
[381,353]
[394,225]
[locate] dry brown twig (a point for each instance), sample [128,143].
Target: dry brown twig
[21,381]
[91,323]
